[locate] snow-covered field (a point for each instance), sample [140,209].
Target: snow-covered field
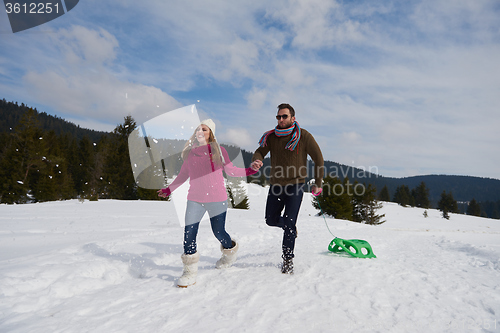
[111,266]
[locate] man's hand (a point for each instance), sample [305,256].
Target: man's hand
[316,190]
[256,165]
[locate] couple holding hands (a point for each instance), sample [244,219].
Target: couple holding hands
[204,161]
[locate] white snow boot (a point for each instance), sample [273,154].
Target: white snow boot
[190,271]
[228,256]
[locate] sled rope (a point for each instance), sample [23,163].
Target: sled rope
[324,218]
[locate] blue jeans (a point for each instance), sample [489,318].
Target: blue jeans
[194,213]
[289,198]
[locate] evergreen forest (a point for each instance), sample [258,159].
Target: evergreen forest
[44,158]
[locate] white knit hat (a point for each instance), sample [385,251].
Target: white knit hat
[210,123]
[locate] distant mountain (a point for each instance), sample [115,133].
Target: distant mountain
[11,113]
[464,188]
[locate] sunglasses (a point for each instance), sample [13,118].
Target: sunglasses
[285,116]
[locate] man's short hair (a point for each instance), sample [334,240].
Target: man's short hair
[287,106]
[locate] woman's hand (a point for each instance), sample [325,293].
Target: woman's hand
[256,165]
[161,194]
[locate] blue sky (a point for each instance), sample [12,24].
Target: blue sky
[407,87]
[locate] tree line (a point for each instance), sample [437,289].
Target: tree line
[419,197]
[38,165]
[11,113]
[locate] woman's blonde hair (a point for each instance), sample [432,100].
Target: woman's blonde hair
[215,157]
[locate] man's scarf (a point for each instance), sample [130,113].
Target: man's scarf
[295,129]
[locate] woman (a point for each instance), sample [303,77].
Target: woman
[204,161]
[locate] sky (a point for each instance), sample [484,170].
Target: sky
[404,88]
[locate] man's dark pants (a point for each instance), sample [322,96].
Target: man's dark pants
[289,198]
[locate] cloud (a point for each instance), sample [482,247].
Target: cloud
[216,40]
[84,86]
[82,46]
[239,137]
[256,98]
[351,138]
[238,57]
[417,81]
[402,76]
[316,24]
[463,20]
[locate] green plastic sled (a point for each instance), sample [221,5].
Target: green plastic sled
[355,247]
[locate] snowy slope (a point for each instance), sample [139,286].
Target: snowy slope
[111,266]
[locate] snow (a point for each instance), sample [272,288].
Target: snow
[111,266]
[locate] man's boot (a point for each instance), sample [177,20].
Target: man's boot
[287,267]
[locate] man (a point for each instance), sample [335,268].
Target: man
[289,146]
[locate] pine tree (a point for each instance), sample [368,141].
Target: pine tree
[473,208]
[447,204]
[334,200]
[384,194]
[13,189]
[358,201]
[85,160]
[59,166]
[236,193]
[32,160]
[371,205]
[365,205]
[97,184]
[71,155]
[120,182]
[421,195]
[45,187]
[402,196]
[54,181]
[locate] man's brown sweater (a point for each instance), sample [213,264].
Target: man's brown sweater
[290,167]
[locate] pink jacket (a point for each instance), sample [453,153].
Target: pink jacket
[206,182]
